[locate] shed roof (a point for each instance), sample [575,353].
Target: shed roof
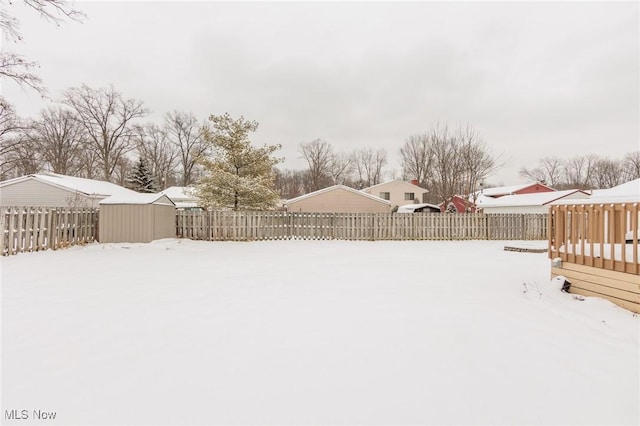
[138,198]
[534,199]
[333,188]
[631,189]
[90,187]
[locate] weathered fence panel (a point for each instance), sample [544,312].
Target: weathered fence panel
[27,229]
[243,226]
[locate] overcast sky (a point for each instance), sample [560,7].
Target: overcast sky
[534,79]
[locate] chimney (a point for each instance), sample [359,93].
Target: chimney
[415,182]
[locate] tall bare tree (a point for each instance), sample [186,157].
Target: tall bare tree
[369,166]
[579,171]
[341,168]
[108,119]
[10,128]
[59,139]
[187,135]
[631,165]
[417,158]
[157,152]
[607,173]
[319,157]
[14,66]
[550,171]
[476,161]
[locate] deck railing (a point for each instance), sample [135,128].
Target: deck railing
[598,235]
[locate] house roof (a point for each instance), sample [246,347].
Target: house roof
[631,188]
[520,200]
[138,198]
[396,180]
[508,190]
[333,188]
[89,187]
[628,192]
[180,193]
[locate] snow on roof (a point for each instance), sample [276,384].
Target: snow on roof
[534,199]
[180,193]
[138,198]
[76,184]
[631,189]
[410,208]
[394,180]
[333,188]
[507,190]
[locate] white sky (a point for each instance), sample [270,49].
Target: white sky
[535,79]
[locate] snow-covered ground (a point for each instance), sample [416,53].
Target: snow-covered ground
[310,332]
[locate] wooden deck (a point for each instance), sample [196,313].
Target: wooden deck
[595,247]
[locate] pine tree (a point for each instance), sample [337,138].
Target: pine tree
[140,178]
[239,176]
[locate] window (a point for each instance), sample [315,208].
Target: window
[385,195]
[409,196]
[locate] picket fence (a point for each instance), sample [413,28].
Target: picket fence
[26,229]
[247,226]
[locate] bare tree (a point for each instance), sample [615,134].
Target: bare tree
[10,127]
[122,170]
[187,135]
[157,152]
[549,171]
[607,173]
[368,165]
[476,161]
[25,159]
[107,118]
[631,166]
[88,161]
[16,67]
[417,158]
[579,171]
[289,183]
[319,157]
[341,168]
[59,138]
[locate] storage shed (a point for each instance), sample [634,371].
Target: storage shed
[139,218]
[527,203]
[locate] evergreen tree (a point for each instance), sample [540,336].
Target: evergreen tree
[238,176]
[140,178]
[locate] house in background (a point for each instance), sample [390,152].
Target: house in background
[458,205]
[527,203]
[338,199]
[398,192]
[182,196]
[526,188]
[54,190]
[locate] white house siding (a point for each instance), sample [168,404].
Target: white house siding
[34,193]
[396,190]
[338,200]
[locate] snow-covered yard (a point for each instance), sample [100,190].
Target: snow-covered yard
[310,332]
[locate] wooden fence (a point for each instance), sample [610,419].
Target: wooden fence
[26,229]
[243,226]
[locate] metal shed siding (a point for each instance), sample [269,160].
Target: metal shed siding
[34,193]
[339,201]
[136,223]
